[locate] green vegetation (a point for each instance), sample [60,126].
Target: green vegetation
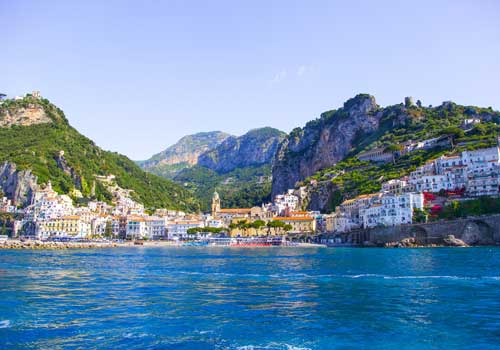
[36,147]
[240,188]
[195,230]
[475,207]
[353,177]
[258,224]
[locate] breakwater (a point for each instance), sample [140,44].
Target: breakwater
[36,244]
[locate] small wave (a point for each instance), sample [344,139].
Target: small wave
[363,275]
[428,277]
[272,346]
[134,335]
[5,324]
[410,277]
[357,276]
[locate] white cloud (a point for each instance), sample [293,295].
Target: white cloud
[279,77]
[302,70]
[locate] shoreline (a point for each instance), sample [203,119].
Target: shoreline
[37,244]
[12,244]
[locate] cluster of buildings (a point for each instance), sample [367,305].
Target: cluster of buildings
[477,172]
[283,209]
[52,215]
[387,155]
[472,173]
[378,209]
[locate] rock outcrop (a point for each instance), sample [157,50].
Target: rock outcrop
[450,240]
[256,147]
[18,186]
[63,165]
[24,116]
[323,142]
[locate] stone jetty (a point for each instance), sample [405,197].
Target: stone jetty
[36,244]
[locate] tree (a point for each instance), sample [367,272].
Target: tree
[108,230]
[419,215]
[454,132]
[481,129]
[258,224]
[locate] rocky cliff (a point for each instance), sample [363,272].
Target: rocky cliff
[17,185]
[184,153]
[323,158]
[24,116]
[256,147]
[323,142]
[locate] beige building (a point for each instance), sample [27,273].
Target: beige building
[66,226]
[300,224]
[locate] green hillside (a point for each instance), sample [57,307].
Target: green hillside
[398,124]
[239,188]
[37,147]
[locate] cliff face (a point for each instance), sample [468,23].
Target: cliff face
[184,153]
[24,116]
[255,148]
[323,142]
[17,185]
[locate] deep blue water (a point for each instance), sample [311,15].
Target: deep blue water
[265,298]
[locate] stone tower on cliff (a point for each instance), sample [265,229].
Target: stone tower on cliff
[215,204]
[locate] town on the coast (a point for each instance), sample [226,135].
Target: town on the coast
[462,176]
[457,175]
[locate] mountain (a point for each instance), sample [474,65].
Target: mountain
[239,167]
[183,154]
[322,157]
[37,144]
[323,142]
[256,147]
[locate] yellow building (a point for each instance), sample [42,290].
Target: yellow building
[70,225]
[300,224]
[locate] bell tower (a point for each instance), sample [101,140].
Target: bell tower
[215,204]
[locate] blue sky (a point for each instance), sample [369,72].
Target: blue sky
[135,76]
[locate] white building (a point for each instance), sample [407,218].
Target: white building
[396,186]
[286,202]
[136,227]
[392,210]
[177,230]
[477,171]
[156,227]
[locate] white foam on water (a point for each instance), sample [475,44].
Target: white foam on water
[428,277]
[5,324]
[272,346]
[363,275]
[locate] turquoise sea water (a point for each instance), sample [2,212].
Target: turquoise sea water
[264,298]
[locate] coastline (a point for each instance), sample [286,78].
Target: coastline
[37,244]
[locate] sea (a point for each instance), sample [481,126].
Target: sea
[250,298]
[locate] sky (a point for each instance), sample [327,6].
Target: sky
[135,76]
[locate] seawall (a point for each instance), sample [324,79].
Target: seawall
[481,230]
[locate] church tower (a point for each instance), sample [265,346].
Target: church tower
[215,204]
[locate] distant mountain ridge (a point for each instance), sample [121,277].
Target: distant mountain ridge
[238,166]
[183,154]
[256,147]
